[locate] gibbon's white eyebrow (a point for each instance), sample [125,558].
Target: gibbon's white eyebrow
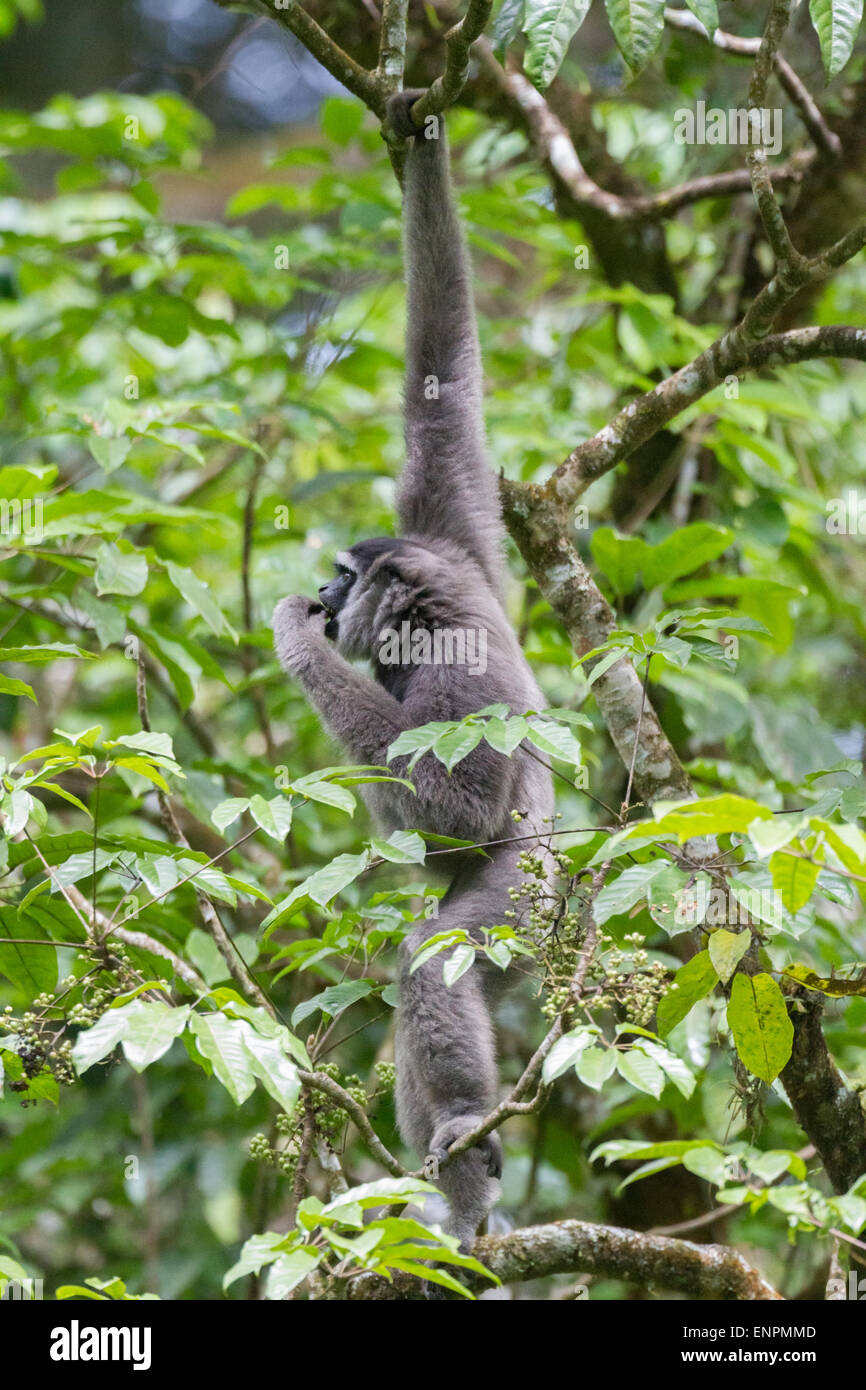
[452,582]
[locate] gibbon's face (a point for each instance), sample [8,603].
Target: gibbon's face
[353,599]
[367,588]
[335,593]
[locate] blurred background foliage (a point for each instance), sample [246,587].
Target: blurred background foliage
[200,378]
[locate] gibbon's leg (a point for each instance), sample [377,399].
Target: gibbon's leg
[446,1059]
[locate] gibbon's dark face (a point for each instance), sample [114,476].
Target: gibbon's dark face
[334,594]
[351,566]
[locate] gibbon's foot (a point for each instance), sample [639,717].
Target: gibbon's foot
[398,111]
[490,1147]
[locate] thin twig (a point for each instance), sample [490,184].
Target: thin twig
[444,91]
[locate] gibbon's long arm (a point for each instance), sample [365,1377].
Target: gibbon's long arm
[356,710]
[447,489]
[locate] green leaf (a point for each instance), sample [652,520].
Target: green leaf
[48,651]
[120,569]
[550,25]
[32,968]
[625,558]
[507,24]
[694,980]
[852,1210]
[836,23]
[770,835]
[461,959]
[206,878]
[228,811]
[332,1001]
[566,1050]
[504,735]
[150,1028]
[670,898]
[157,745]
[200,599]
[759,1022]
[616,1149]
[341,119]
[595,1066]
[270,1063]
[793,879]
[403,847]
[109,622]
[145,769]
[707,1163]
[221,1041]
[289,1270]
[418,741]
[452,747]
[314,788]
[625,891]
[321,887]
[274,816]
[641,1072]
[10,686]
[672,1066]
[92,1044]
[727,949]
[109,453]
[707,12]
[714,815]
[554,739]
[257,1252]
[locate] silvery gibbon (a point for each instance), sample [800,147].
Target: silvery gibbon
[446,573]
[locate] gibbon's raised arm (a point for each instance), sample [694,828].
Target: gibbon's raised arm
[447,489]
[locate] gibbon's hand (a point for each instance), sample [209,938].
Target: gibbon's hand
[298,622]
[397,112]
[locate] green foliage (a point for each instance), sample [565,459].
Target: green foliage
[386,1245]
[837,23]
[549,25]
[200,409]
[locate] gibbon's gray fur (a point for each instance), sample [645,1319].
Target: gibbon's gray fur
[447,572]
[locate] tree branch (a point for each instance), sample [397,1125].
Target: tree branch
[560,155]
[357,80]
[444,91]
[830,1113]
[568,1247]
[320,1081]
[139,939]
[392,45]
[762,185]
[729,355]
